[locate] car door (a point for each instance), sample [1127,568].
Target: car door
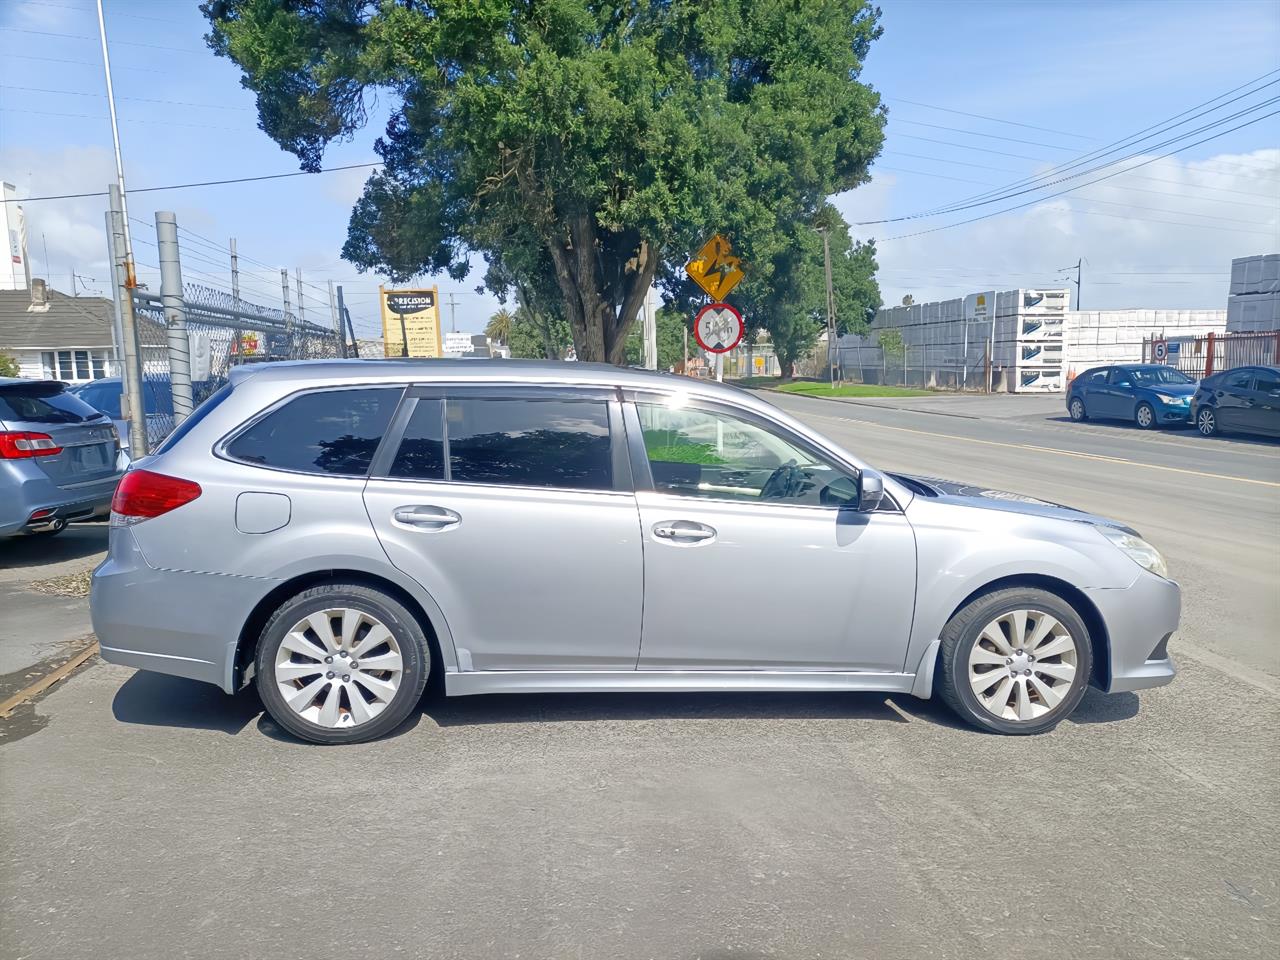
[1262,412]
[750,560]
[1117,396]
[1233,397]
[513,507]
[1092,386]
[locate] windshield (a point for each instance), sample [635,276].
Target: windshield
[1147,376]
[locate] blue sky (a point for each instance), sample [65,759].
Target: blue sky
[1058,79]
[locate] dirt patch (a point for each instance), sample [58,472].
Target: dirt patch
[68,585]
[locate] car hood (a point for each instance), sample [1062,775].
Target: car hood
[1172,389]
[984,498]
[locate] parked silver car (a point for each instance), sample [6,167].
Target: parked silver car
[337,530]
[60,459]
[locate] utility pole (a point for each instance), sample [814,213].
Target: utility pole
[1079,277]
[288,309]
[302,310]
[175,315]
[235,299]
[344,316]
[453,318]
[650,332]
[336,319]
[831,306]
[132,379]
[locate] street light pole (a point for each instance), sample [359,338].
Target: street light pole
[831,306]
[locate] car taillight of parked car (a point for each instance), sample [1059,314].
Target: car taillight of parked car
[22,445]
[143,494]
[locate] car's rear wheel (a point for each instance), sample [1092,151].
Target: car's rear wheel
[341,663]
[1077,410]
[1144,416]
[1207,421]
[1015,661]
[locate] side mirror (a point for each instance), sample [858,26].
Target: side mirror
[870,491]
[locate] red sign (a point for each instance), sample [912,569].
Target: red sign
[718,328]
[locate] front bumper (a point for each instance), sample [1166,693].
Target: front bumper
[170,621]
[1140,621]
[1173,412]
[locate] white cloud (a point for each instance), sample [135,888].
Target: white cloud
[1162,236]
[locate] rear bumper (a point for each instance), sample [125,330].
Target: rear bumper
[23,494]
[1140,621]
[169,621]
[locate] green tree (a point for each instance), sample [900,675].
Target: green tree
[891,343]
[8,366]
[585,142]
[499,326]
[541,336]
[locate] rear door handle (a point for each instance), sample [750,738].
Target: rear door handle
[683,531]
[425,516]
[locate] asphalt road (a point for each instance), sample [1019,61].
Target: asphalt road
[152,817]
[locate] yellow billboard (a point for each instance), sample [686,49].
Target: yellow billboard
[415,313]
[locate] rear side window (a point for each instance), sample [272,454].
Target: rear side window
[44,403]
[330,431]
[524,443]
[421,453]
[1239,381]
[1267,383]
[200,412]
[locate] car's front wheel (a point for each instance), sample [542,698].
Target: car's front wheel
[1144,416]
[1077,411]
[341,663]
[1015,661]
[1207,421]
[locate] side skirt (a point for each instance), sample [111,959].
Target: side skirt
[658,681]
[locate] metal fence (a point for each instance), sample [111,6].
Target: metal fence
[222,332]
[1199,357]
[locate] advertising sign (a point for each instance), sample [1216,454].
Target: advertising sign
[415,313]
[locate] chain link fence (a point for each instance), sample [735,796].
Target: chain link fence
[223,331]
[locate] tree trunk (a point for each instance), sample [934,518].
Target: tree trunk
[599,329]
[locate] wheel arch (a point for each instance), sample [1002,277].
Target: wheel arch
[251,632]
[1099,639]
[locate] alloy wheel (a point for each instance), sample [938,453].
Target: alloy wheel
[339,667]
[1022,665]
[1077,410]
[1206,423]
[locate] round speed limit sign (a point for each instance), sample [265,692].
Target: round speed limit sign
[1161,351]
[718,328]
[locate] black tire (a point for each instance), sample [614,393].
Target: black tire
[1151,423]
[1207,422]
[962,633]
[415,653]
[1077,410]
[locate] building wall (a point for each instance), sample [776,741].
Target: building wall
[1097,337]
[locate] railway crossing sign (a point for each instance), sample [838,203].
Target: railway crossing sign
[718,328]
[714,268]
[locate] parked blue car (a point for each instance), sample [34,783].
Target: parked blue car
[1146,394]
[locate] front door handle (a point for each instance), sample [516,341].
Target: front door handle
[683,531]
[425,516]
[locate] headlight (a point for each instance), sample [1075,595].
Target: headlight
[1166,398]
[1137,550]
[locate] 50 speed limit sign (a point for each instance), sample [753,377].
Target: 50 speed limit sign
[718,328]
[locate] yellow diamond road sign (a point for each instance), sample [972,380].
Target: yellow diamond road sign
[715,269]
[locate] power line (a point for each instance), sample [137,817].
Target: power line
[979,202]
[978,133]
[203,183]
[83,63]
[979,116]
[124,43]
[1029,203]
[100,96]
[94,116]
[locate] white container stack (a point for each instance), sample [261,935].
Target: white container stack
[1099,337]
[1253,304]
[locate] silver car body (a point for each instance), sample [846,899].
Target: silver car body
[540,589]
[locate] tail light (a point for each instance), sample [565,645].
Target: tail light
[143,494]
[22,445]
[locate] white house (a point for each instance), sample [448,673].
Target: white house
[57,337]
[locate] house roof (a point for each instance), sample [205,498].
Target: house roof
[69,322]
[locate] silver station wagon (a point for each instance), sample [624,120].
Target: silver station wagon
[335,531]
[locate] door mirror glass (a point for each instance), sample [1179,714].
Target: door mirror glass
[840,492]
[870,491]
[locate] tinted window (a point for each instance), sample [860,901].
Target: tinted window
[201,411]
[701,453]
[1267,382]
[1150,376]
[332,431]
[44,403]
[421,453]
[1097,376]
[102,396]
[530,443]
[1238,381]
[1120,378]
